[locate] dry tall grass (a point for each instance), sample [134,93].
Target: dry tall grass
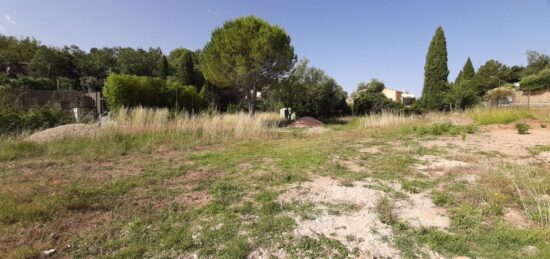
[531,188]
[397,120]
[209,125]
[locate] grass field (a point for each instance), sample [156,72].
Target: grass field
[226,186]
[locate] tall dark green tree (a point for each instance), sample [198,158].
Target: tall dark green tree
[163,67]
[183,65]
[185,68]
[436,73]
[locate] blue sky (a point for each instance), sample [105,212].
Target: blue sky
[352,41]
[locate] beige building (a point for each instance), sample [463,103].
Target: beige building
[403,97]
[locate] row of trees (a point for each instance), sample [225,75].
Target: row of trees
[245,58]
[470,86]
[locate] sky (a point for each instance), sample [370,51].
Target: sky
[352,41]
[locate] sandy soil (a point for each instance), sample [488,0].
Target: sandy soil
[420,211]
[372,237]
[434,166]
[504,140]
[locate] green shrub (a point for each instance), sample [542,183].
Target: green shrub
[522,128]
[29,82]
[445,128]
[12,121]
[442,198]
[132,91]
[371,99]
[466,217]
[540,81]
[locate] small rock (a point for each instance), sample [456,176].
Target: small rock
[48,252]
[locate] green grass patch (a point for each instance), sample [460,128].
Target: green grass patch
[444,128]
[442,198]
[539,149]
[499,115]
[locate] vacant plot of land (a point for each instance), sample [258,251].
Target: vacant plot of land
[439,186]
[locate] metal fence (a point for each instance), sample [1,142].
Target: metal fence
[523,99]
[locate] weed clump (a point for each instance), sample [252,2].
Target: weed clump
[445,128]
[522,128]
[385,210]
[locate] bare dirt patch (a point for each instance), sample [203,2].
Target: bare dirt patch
[370,150]
[516,218]
[502,139]
[195,198]
[351,164]
[420,211]
[544,157]
[370,235]
[360,227]
[435,166]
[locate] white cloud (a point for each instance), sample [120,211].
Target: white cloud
[2,28]
[9,19]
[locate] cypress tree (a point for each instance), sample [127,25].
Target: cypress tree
[436,73]
[468,71]
[163,67]
[185,69]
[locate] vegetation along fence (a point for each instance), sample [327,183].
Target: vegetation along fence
[67,100]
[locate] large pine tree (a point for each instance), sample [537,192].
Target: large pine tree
[436,73]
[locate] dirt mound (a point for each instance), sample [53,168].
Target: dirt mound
[64,131]
[306,122]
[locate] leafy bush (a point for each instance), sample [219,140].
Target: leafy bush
[29,82]
[12,121]
[371,99]
[500,94]
[16,119]
[132,91]
[540,81]
[522,128]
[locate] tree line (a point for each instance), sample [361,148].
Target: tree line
[248,64]
[471,86]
